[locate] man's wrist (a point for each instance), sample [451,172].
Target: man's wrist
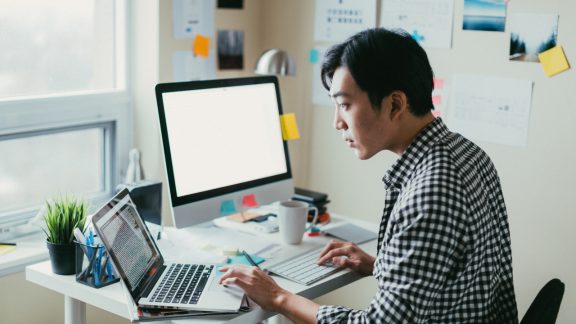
[281,300]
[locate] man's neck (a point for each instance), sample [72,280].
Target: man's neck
[410,129]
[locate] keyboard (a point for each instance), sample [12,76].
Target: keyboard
[183,284]
[303,268]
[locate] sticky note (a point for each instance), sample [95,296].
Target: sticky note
[436,100]
[289,127]
[436,113]
[438,83]
[553,61]
[201,45]
[249,201]
[313,56]
[241,259]
[227,207]
[7,249]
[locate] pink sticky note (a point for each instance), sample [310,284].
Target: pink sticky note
[436,113]
[249,201]
[438,83]
[436,100]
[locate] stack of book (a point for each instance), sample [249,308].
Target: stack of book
[316,199]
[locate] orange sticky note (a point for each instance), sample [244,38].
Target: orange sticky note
[553,61]
[201,45]
[289,127]
[249,201]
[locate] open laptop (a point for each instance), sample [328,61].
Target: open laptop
[151,282]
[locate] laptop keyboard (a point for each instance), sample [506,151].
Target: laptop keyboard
[182,284]
[303,268]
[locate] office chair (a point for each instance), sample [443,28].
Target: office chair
[544,308]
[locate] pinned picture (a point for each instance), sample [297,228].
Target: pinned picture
[487,15]
[531,34]
[230,49]
[230,4]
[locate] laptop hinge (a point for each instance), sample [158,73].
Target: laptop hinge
[146,291]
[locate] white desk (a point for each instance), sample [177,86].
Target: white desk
[30,249]
[112,298]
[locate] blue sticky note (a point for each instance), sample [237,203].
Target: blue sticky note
[240,259]
[313,56]
[227,208]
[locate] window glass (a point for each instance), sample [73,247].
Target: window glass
[56,46]
[45,165]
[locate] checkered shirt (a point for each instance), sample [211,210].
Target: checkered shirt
[444,251]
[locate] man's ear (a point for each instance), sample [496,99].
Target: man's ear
[399,104]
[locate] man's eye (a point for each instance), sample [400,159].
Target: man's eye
[343,106]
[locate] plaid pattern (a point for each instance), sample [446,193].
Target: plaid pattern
[444,251]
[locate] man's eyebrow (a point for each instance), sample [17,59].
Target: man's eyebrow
[339,94]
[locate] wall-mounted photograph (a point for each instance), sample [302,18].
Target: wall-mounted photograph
[230,4]
[486,15]
[531,34]
[230,49]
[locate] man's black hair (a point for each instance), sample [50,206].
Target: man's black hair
[382,61]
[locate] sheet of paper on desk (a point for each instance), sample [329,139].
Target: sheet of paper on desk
[206,243]
[179,246]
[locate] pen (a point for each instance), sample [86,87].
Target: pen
[11,244]
[249,258]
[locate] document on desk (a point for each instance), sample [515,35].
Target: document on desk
[206,244]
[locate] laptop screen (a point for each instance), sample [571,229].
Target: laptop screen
[128,241]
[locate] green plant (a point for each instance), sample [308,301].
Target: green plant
[62,216]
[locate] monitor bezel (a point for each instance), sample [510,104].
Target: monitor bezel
[162,88]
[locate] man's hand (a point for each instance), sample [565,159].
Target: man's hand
[258,285]
[347,254]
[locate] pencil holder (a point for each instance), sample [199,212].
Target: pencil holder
[93,265]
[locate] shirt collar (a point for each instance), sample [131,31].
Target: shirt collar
[401,170]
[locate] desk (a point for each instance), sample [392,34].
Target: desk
[112,298]
[30,249]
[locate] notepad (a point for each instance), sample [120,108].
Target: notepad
[351,233]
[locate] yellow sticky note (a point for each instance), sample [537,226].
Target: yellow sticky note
[289,127]
[554,61]
[7,249]
[201,45]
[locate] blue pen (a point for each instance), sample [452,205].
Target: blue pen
[97,266]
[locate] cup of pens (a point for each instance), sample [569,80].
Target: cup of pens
[93,264]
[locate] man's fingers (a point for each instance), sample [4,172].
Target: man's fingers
[333,244]
[331,254]
[235,281]
[233,271]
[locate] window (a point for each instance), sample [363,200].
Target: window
[65,110]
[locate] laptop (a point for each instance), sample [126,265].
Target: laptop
[151,282]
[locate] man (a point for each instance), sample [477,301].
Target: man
[444,251]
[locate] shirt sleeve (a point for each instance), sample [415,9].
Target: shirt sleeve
[427,233]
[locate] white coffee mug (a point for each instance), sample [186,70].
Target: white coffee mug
[292,216]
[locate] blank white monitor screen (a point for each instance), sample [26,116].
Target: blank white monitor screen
[221,137]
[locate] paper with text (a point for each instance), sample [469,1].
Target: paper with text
[336,20]
[491,109]
[429,22]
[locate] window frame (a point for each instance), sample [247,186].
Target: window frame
[111,109]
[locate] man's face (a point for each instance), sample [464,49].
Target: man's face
[363,128]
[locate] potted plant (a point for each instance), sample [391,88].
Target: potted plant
[61,217]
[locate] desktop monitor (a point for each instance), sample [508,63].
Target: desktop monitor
[223,146]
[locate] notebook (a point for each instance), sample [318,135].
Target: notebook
[151,282]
